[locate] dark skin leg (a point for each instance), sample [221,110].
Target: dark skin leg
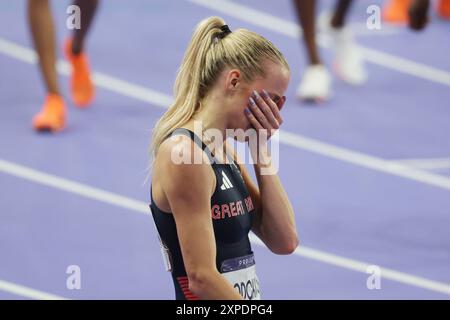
[418,14]
[306,10]
[88,9]
[340,13]
[43,33]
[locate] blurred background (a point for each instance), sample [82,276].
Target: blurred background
[368,170]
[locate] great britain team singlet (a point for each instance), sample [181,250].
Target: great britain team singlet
[232,213]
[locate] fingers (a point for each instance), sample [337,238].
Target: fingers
[251,118]
[264,105]
[258,113]
[280,104]
[263,113]
[273,107]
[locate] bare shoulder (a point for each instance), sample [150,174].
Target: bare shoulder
[181,168]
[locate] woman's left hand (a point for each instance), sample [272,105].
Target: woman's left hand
[263,113]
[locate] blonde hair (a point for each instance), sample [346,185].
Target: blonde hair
[208,53]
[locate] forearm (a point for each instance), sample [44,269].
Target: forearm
[277,220]
[274,221]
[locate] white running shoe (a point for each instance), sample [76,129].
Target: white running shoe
[348,63]
[315,85]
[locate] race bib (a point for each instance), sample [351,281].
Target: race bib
[241,273]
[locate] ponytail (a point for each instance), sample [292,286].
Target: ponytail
[212,47]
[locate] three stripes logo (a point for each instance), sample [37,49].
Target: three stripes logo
[226,183]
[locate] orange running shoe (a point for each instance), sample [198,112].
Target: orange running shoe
[396,11]
[82,88]
[52,117]
[444,9]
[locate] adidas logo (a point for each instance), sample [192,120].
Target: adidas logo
[226,183]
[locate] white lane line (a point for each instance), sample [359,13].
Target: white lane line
[27,292]
[290,29]
[361,30]
[250,15]
[425,164]
[102,80]
[360,266]
[288,138]
[71,186]
[90,192]
[364,160]
[409,67]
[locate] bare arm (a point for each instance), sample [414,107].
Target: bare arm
[274,223]
[188,188]
[274,220]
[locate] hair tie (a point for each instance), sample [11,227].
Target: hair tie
[224,31]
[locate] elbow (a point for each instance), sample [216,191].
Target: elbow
[199,282]
[288,246]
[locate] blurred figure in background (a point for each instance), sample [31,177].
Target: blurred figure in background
[52,117]
[349,66]
[398,11]
[418,14]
